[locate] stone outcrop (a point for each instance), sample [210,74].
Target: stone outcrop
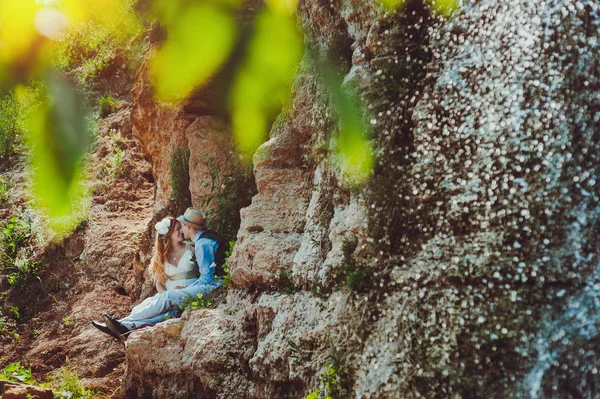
[162,129]
[465,267]
[13,390]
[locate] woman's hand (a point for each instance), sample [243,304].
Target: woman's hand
[160,287]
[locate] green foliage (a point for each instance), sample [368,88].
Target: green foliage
[334,381]
[227,276]
[443,7]
[197,303]
[87,48]
[58,137]
[199,41]
[16,251]
[11,124]
[108,104]
[313,395]
[14,234]
[180,177]
[15,372]
[4,190]
[7,329]
[116,162]
[231,187]
[22,272]
[16,312]
[262,86]
[355,155]
[66,385]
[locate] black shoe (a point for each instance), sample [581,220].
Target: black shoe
[116,327]
[102,327]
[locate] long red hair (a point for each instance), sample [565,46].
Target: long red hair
[162,246]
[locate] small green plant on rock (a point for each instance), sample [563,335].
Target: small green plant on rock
[22,271]
[67,322]
[15,372]
[16,312]
[66,385]
[227,276]
[7,329]
[334,382]
[64,382]
[4,190]
[108,104]
[16,251]
[117,162]
[196,303]
[11,124]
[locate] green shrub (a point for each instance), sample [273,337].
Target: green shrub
[16,312]
[87,49]
[334,382]
[66,385]
[4,190]
[116,163]
[15,372]
[227,276]
[7,329]
[180,177]
[196,303]
[108,104]
[16,251]
[11,124]
[64,382]
[13,236]
[22,272]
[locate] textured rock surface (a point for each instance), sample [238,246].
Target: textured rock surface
[466,267]
[163,128]
[12,390]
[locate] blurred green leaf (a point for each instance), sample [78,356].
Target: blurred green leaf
[354,149]
[445,7]
[198,43]
[262,85]
[58,136]
[283,7]
[392,4]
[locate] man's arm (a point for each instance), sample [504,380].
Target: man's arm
[205,256]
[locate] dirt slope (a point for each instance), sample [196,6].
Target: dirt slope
[98,268]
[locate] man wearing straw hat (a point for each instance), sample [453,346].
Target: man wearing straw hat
[165,305]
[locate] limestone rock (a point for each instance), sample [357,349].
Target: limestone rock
[13,390]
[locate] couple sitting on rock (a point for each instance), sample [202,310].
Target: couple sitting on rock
[174,271]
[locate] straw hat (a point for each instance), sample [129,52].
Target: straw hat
[193,217]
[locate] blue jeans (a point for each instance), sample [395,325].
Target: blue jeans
[162,306]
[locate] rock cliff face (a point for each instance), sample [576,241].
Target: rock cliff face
[163,129]
[468,264]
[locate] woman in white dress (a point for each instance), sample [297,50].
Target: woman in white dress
[173,263]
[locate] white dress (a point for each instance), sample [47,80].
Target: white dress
[184,274]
